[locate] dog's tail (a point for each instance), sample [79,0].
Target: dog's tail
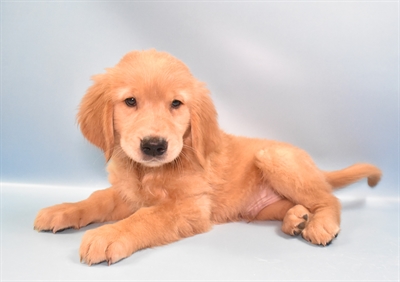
[341,178]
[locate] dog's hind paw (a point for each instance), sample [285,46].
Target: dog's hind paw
[321,231]
[295,220]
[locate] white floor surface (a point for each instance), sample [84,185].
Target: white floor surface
[367,248]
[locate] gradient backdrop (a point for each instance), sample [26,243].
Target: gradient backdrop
[322,75]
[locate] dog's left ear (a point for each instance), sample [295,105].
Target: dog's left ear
[95,116]
[205,131]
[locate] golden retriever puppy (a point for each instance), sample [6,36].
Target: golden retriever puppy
[174,173]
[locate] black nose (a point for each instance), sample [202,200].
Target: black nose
[153,146]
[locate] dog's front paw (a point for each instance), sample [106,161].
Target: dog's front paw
[295,220]
[60,217]
[107,243]
[321,231]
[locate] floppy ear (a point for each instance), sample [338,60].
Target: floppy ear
[205,131]
[95,116]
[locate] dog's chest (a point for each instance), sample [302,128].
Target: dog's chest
[152,189]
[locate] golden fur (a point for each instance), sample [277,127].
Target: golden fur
[174,173]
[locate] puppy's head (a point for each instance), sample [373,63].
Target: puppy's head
[149,106]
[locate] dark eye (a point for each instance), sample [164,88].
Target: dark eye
[130,102]
[176,104]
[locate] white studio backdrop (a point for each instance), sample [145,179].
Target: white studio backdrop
[322,75]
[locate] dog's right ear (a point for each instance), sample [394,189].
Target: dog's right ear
[95,116]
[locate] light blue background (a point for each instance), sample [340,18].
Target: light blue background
[322,75]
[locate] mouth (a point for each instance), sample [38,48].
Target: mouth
[152,162]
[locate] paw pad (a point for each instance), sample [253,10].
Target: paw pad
[295,221]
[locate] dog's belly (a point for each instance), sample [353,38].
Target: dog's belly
[264,197]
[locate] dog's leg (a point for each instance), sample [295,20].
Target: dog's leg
[294,217]
[101,206]
[275,211]
[292,174]
[148,227]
